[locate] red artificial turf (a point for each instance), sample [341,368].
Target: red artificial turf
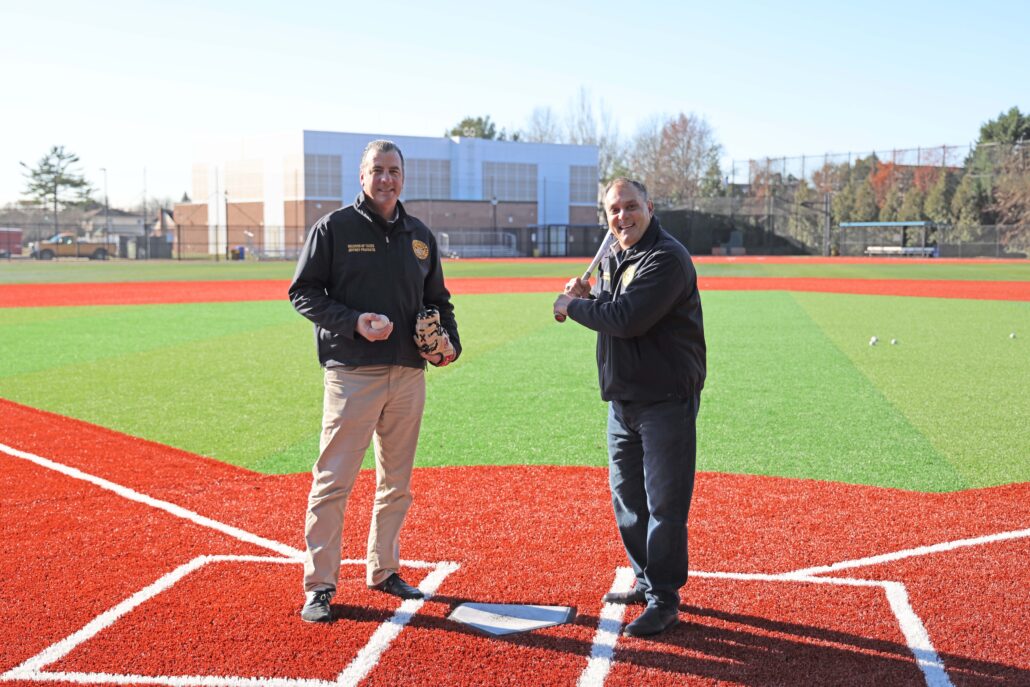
[140,293]
[521,534]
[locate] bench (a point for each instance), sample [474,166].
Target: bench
[921,251]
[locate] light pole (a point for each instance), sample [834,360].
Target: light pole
[107,210]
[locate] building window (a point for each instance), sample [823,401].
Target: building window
[322,178]
[583,184]
[427,179]
[509,181]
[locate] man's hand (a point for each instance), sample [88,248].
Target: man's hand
[561,305]
[578,288]
[374,327]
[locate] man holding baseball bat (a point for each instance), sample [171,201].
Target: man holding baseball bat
[646,311]
[370,280]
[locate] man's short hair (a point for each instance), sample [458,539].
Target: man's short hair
[381,145]
[623,181]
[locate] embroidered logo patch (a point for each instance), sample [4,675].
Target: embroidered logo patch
[361,248]
[628,275]
[421,249]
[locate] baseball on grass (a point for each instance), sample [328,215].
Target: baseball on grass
[379,322]
[894,342]
[872,341]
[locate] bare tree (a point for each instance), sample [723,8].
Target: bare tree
[672,157]
[583,127]
[544,127]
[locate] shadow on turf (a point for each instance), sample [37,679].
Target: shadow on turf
[735,647]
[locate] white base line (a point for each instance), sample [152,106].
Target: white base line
[167,506]
[909,553]
[608,628]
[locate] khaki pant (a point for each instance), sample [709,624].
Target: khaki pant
[380,401]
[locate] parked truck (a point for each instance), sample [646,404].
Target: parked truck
[68,245]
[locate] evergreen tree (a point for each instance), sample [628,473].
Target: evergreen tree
[891,205]
[938,201]
[865,209]
[967,207]
[711,183]
[55,182]
[912,206]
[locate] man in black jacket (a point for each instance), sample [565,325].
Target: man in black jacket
[365,273]
[646,311]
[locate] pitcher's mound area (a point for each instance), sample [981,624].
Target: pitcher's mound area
[127,562]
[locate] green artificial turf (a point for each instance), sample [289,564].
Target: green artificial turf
[794,388]
[71,271]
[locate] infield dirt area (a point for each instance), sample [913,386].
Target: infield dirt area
[125,562]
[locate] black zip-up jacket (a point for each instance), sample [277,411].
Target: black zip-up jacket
[646,311]
[355,262]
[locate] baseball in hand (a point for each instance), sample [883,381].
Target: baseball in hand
[379,322]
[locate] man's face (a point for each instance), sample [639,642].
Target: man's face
[382,180]
[628,213]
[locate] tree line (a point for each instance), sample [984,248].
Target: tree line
[678,158]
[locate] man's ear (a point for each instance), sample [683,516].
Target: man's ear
[650,208]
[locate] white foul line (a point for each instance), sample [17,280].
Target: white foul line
[908,553]
[166,506]
[608,627]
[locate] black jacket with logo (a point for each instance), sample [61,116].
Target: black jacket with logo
[355,262]
[646,311]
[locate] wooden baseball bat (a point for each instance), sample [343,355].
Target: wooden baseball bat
[605,245]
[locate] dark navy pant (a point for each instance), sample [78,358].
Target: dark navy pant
[652,451]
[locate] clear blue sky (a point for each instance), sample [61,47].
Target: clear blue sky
[136,85]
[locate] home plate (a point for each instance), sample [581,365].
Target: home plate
[506,619]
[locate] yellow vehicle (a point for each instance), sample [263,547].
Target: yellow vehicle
[68,245]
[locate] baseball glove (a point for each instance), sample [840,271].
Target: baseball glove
[431,338]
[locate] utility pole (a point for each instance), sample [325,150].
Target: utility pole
[144,216]
[826,231]
[107,210]
[213,206]
[227,224]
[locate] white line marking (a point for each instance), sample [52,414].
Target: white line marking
[917,637]
[608,628]
[177,680]
[369,655]
[366,660]
[908,553]
[166,506]
[59,650]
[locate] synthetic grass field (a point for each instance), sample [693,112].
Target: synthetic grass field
[794,391]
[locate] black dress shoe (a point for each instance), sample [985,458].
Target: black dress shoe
[654,620]
[634,596]
[397,587]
